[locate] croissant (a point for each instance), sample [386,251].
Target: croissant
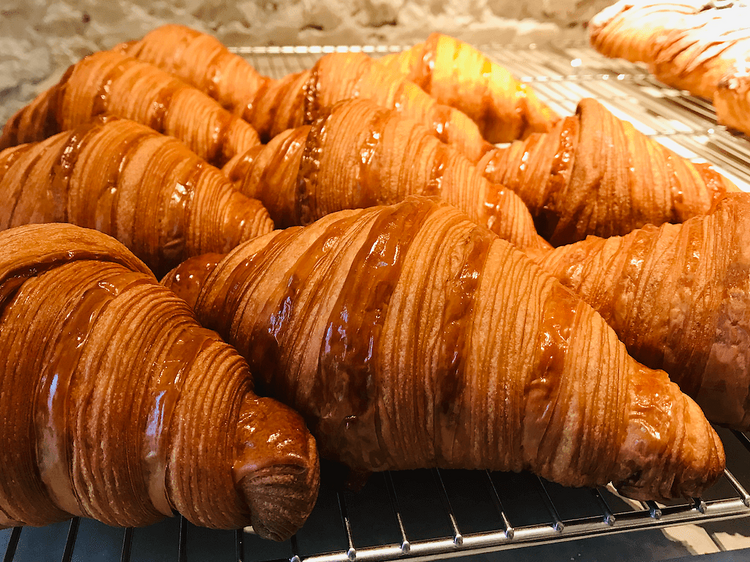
[201,60]
[696,55]
[118,406]
[704,51]
[596,174]
[147,190]
[361,155]
[679,298]
[410,337]
[109,82]
[630,29]
[458,75]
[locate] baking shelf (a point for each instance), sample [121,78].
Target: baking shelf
[414,515]
[422,515]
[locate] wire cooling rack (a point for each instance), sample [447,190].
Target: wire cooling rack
[425,515]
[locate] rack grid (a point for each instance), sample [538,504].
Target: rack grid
[431,514]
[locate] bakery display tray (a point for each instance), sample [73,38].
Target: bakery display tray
[431,514]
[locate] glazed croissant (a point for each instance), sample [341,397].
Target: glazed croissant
[458,75]
[299,99]
[118,406]
[145,189]
[362,155]
[111,83]
[504,108]
[630,29]
[201,60]
[679,298]
[596,174]
[408,337]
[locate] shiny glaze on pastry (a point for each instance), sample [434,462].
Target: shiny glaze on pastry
[409,337]
[120,407]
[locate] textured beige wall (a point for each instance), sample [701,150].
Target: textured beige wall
[40,38]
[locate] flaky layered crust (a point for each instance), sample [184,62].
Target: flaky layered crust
[595,174]
[301,98]
[361,155]
[409,337]
[113,84]
[118,406]
[147,190]
[679,298]
[201,60]
[458,75]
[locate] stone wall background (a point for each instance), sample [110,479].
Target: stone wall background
[39,39]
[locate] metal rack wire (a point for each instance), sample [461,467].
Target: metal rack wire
[425,515]
[416,515]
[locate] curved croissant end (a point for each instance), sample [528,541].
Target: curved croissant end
[276,470]
[678,296]
[109,83]
[596,174]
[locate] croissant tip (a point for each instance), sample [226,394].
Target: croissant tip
[701,463]
[281,496]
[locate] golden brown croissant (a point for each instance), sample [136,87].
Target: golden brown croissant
[362,155]
[458,75]
[630,29]
[696,55]
[596,174]
[301,98]
[145,189]
[679,298]
[408,336]
[111,83]
[201,60]
[117,405]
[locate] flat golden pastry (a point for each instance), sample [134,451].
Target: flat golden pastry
[732,96]
[695,56]
[629,29]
